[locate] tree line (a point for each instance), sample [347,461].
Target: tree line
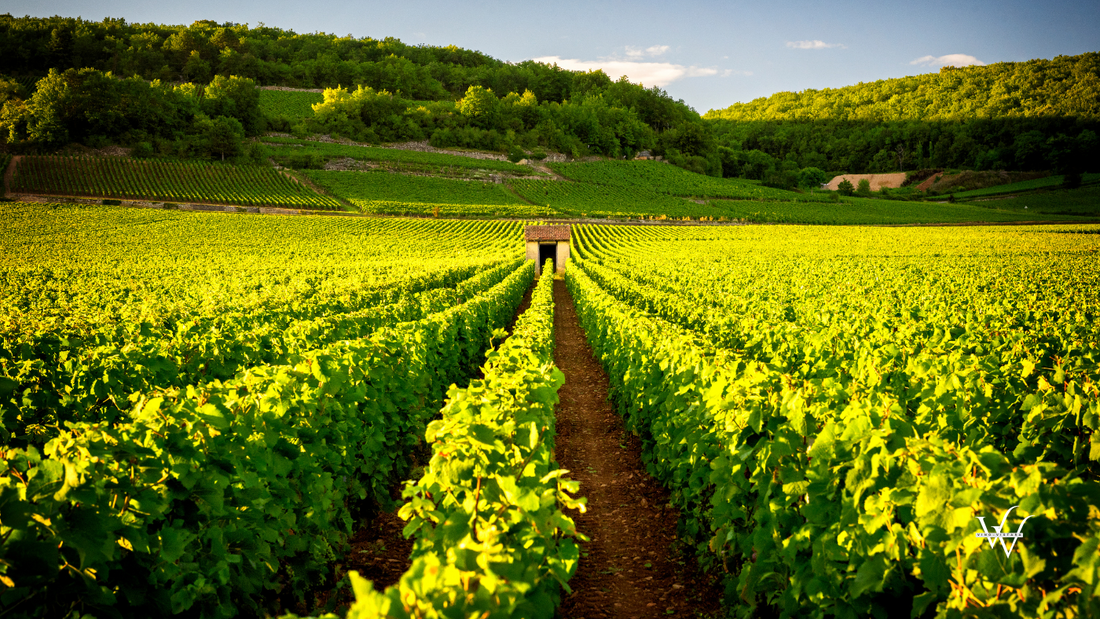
[1034,115]
[455,97]
[166,95]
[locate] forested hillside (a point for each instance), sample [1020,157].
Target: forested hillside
[384,90]
[1040,114]
[189,91]
[1068,86]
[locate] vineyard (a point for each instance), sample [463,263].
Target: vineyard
[284,149]
[196,410]
[399,194]
[863,211]
[676,181]
[419,183]
[168,181]
[1048,182]
[193,432]
[833,409]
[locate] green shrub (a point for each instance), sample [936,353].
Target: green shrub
[142,150]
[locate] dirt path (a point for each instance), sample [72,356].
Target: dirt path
[630,569]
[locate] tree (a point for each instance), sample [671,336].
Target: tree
[811,178]
[864,188]
[236,97]
[220,136]
[846,188]
[480,106]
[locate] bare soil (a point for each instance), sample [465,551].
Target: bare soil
[878,181]
[970,179]
[632,566]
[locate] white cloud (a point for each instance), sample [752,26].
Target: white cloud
[648,73]
[813,45]
[952,60]
[651,51]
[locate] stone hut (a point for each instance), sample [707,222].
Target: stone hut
[547,242]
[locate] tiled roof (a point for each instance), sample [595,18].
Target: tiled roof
[546,233]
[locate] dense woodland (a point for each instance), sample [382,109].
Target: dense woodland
[189,91]
[1035,115]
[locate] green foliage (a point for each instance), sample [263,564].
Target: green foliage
[218,137]
[116,177]
[207,498]
[657,177]
[288,104]
[863,188]
[812,178]
[1034,115]
[90,106]
[516,154]
[480,106]
[845,188]
[235,98]
[830,453]
[1029,89]
[487,514]
[365,114]
[1049,203]
[380,186]
[863,211]
[436,163]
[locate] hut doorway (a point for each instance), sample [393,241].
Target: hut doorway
[547,243]
[548,251]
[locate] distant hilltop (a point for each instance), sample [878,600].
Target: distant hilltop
[1067,86]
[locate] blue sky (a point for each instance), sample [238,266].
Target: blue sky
[710,54]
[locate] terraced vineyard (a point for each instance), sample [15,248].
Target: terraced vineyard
[834,409]
[168,181]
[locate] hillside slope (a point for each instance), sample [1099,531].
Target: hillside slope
[1067,86]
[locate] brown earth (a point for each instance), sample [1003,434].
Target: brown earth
[631,567]
[971,179]
[878,181]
